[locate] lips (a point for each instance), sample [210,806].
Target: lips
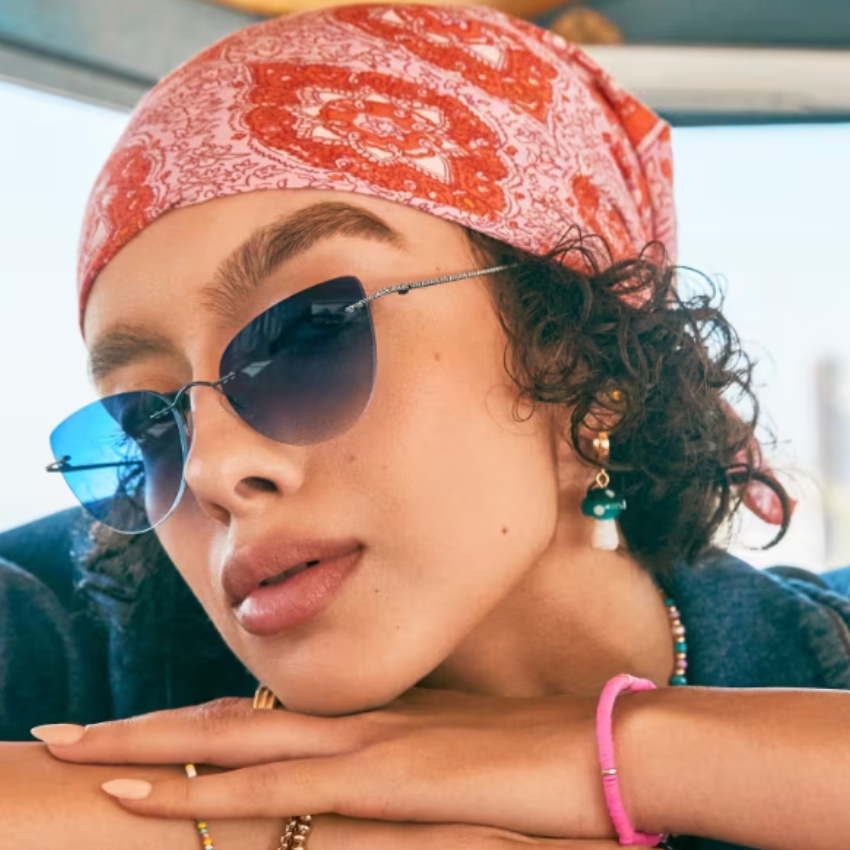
[291,600]
[292,571]
[269,564]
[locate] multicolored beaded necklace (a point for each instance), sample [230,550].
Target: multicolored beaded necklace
[680,645]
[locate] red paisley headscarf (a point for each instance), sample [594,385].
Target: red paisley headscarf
[462,112]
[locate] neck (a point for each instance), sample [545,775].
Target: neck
[577,617]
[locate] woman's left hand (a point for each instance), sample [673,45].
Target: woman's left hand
[433,756]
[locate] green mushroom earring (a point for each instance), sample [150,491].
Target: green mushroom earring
[602,504]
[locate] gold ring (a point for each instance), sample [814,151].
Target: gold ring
[264,698]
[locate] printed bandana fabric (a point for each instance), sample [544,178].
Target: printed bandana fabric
[462,112]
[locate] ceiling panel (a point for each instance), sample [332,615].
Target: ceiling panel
[111,51]
[786,23]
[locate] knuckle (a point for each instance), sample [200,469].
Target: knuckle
[215,717]
[230,706]
[260,785]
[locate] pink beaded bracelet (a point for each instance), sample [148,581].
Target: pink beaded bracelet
[605,742]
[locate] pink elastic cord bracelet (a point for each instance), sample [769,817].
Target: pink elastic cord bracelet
[605,741]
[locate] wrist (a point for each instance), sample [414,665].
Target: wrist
[652,735]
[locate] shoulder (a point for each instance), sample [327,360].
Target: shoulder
[49,664]
[778,627]
[45,550]
[118,615]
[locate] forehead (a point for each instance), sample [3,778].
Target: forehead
[191,243]
[206,262]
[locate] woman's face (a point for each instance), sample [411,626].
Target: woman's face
[449,501]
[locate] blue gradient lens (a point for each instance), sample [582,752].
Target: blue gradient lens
[123,459]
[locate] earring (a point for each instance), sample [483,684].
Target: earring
[602,504]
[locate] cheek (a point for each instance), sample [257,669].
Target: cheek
[465,495]
[460,508]
[188,537]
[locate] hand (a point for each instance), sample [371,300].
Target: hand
[332,832]
[440,757]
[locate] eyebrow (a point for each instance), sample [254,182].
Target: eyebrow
[242,272]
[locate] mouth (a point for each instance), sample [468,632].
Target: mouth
[292,571]
[290,598]
[265,564]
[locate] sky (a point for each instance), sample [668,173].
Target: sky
[763,209]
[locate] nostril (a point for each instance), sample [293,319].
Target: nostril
[261,484]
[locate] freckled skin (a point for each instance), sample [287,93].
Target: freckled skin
[429,479]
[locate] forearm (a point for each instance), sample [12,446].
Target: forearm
[767,768]
[50,803]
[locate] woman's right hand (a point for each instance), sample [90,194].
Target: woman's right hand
[335,832]
[47,802]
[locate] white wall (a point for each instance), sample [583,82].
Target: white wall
[763,206]
[50,152]
[767,208]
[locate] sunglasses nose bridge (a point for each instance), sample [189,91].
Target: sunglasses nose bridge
[178,406]
[179,403]
[184,391]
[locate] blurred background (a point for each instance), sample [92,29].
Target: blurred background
[758,92]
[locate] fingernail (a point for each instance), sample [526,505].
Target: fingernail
[58,734]
[128,789]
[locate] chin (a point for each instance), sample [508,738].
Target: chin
[332,696]
[330,701]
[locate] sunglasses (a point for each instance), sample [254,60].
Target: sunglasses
[300,373]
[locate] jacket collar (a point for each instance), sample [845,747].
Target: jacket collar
[752,628]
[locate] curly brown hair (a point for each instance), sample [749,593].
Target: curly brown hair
[616,344]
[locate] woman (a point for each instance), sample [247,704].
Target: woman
[436,527]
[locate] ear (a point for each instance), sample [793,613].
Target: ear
[572,468]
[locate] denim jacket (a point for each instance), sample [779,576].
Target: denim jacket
[74,648]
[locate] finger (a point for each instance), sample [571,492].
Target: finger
[333,832]
[226,732]
[264,791]
[318,785]
[315,786]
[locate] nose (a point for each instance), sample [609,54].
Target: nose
[232,470]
